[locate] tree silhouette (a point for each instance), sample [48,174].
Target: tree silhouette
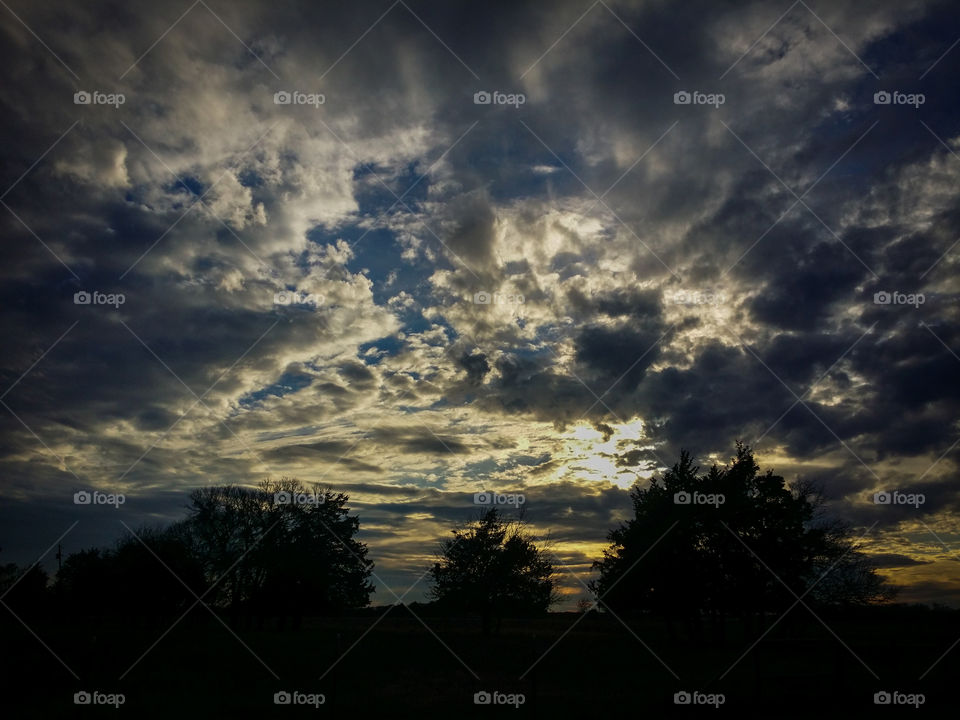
[728,542]
[24,590]
[147,576]
[491,568]
[278,558]
[238,548]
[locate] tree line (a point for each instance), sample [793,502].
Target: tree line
[699,548]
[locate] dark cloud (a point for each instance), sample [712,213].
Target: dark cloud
[357,374]
[419,440]
[476,366]
[893,560]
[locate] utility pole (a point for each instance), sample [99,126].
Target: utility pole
[59,556]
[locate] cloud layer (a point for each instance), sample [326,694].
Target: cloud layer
[412,296]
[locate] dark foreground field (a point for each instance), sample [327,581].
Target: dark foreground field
[402,669]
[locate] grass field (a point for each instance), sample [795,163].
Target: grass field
[400,668]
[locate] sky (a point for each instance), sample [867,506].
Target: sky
[419,250]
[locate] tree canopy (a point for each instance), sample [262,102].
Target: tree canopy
[279,549]
[731,540]
[493,567]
